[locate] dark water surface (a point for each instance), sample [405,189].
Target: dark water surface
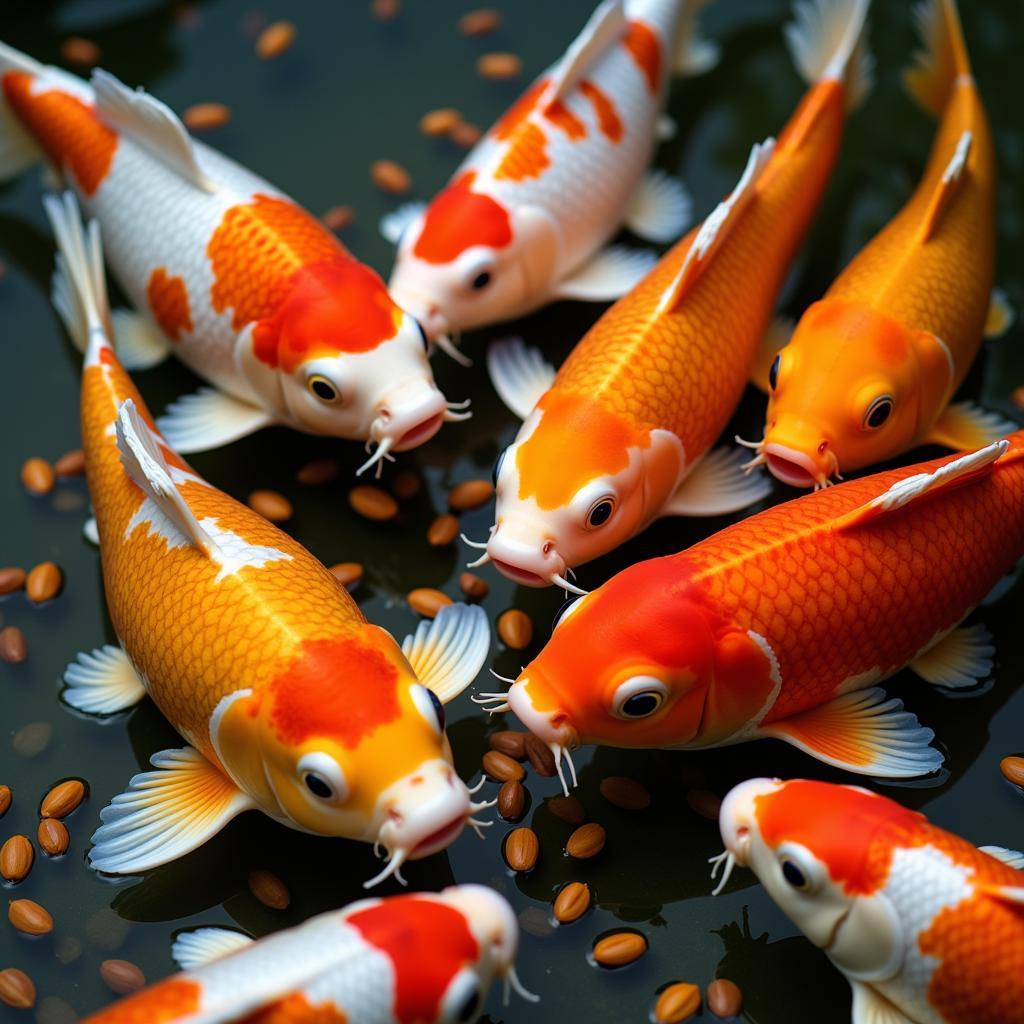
[349,92]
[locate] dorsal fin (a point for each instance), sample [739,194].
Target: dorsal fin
[145,464]
[947,187]
[151,124]
[912,488]
[605,26]
[716,228]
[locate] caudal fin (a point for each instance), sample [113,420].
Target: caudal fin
[827,41]
[942,58]
[18,150]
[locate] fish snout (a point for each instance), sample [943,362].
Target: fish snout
[490,918]
[553,727]
[426,311]
[409,415]
[425,811]
[737,818]
[529,560]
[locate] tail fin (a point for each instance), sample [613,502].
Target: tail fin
[827,41]
[18,150]
[694,54]
[79,290]
[943,56]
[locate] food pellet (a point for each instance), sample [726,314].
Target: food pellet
[476,588]
[1013,770]
[567,808]
[479,22]
[275,39]
[29,917]
[705,803]
[70,463]
[37,476]
[587,841]
[522,848]
[465,135]
[16,857]
[11,579]
[534,921]
[511,800]
[13,645]
[677,1003]
[62,799]
[204,117]
[438,123]
[501,767]
[67,949]
[271,505]
[509,742]
[515,629]
[106,929]
[724,998]
[442,531]
[5,800]
[52,837]
[619,949]
[54,1010]
[122,976]
[390,176]
[269,889]
[499,66]
[427,601]
[17,989]
[542,761]
[348,574]
[385,10]
[470,494]
[625,793]
[43,582]
[406,485]
[373,503]
[83,52]
[319,471]
[32,739]
[572,902]
[1017,397]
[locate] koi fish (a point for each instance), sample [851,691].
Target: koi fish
[410,959]
[523,220]
[290,701]
[619,436]
[871,368]
[248,289]
[782,625]
[927,928]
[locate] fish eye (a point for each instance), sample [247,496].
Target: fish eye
[429,706]
[461,1003]
[323,777]
[878,412]
[318,786]
[498,463]
[792,873]
[568,606]
[639,697]
[600,512]
[773,372]
[481,281]
[322,388]
[800,870]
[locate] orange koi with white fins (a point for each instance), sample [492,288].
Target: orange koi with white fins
[871,369]
[523,219]
[926,927]
[620,436]
[783,625]
[290,701]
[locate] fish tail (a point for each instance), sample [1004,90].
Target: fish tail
[941,60]
[18,150]
[827,42]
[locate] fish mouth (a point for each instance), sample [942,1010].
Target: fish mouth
[420,433]
[438,839]
[791,467]
[517,575]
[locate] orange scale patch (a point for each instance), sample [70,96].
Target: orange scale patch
[527,157]
[460,218]
[607,117]
[643,46]
[341,689]
[561,116]
[296,1009]
[519,111]
[166,1001]
[168,299]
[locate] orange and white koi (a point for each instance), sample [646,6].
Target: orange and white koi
[290,701]
[620,435]
[523,219]
[926,927]
[871,368]
[243,285]
[781,626]
[423,958]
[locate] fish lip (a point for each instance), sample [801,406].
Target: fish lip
[522,576]
[791,466]
[439,839]
[420,433]
[834,935]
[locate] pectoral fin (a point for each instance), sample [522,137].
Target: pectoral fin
[193,949]
[166,813]
[1001,315]
[871,1008]
[717,486]
[102,682]
[660,208]
[964,426]
[139,343]
[606,276]
[448,653]
[519,374]
[1012,857]
[208,419]
[395,223]
[959,660]
[862,732]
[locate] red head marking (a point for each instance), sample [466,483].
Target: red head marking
[427,942]
[459,218]
[339,689]
[642,43]
[168,299]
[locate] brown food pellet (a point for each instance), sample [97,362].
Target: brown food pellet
[501,767]
[476,588]
[122,976]
[677,1003]
[269,889]
[620,949]
[522,848]
[427,601]
[29,917]
[625,793]
[43,582]
[442,531]
[83,52]
[70,463]
[509,742]
[705,803]
[271,505]
[62,799]
[390,176]
[385,10]
[1017,397]
[542,761]
[5,800]
[724,998]
[499,66]
[275,39]
[16,857]
[515,629]
[373,503]
[438,123]
[479,22]
[470,494]
[406,485]
[37,476]
[32,739]
[52,837]
[67,949]
[106,929]
[54,1010]
[465,135]
[319,471]
[511,800]
[572,902]
[567,808]
[204,117]
[13,645]
[17,989]
[337,218]
[348,574]
[1013,770]
[11,579]
[587,841]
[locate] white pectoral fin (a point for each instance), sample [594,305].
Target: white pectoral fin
[396,222]
[519,374]
[1001,314]
[208,418]
[606,276]
[694,53]
[91,531]
[871,1008]
[448,653]
[204,945]
[145,464]
[961,659]
[717,486]
[605,27]
[666,128]
[139,343]
[964,425]
[150,123]
[1012,857]
[863,732]
[660,208]
[102,681]
[166,813]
